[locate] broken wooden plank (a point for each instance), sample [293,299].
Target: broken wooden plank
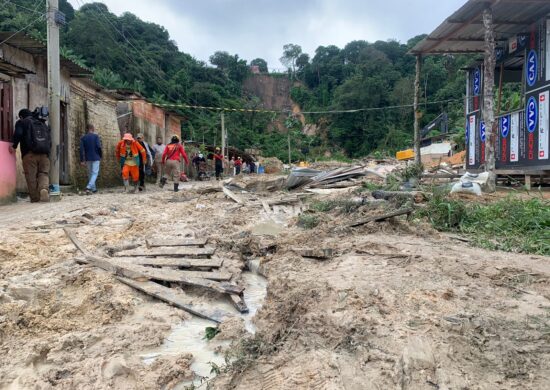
[201,242]
[176,299]
[177,274]
[239,303]
[266,207]
[382,217]
[322,253]
[231,195]
[175,262]
[169,252]
[76,242]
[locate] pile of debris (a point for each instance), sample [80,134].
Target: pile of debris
[343,177]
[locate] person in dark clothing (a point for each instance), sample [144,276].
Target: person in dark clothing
[90,156]
[36,166]
[252,166]
[218,163]
[144,168]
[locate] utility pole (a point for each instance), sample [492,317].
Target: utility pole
[223,136]
[417,156]
[54,94]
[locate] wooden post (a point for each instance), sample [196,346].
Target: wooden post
[417,157]
[488,104]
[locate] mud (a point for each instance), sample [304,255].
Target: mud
[397,306]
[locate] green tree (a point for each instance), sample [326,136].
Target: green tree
[260,63]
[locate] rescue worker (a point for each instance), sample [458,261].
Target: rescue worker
[128,154]
[218,163]
[171,158]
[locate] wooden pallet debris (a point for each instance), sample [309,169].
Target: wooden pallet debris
[200,242]
[169,252]
[175,298]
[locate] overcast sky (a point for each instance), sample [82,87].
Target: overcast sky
[260,28]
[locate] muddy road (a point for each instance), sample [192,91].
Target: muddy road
[397,305]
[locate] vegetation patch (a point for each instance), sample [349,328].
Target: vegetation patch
[510,224]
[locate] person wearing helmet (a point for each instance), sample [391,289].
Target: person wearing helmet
[218,163]
[171,158]
[128,153]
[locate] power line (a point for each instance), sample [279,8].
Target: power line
[23,7]
[153,66]
[143,71]
[23,29]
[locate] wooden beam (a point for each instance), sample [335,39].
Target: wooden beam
[168,252]
[177,242]
[175,262]
[176,298]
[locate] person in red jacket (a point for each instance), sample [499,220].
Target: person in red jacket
[238,165]
[171,158]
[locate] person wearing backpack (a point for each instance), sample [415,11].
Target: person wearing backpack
[34,136]
[129,153]
[90,156]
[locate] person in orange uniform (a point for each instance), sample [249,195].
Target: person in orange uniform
[218,163]
[171,158]
[128,152]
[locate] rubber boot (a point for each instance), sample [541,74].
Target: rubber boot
[134,190]
[162,182]
[126,185]
[176,187]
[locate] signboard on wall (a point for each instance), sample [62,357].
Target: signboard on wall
[535,57]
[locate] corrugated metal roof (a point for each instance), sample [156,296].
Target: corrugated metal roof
[33,46]
[463,31]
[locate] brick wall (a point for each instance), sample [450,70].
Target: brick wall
[89,106]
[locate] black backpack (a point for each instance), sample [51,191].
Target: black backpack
[40,140]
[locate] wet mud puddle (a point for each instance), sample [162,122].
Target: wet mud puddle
[189,336]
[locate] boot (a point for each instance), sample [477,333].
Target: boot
[162,182]
[126,185]
[134,190]
[176,187]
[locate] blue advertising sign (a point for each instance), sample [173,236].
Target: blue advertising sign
[477,82]
[505,126]
[482,131]
[531,114]
[531,68]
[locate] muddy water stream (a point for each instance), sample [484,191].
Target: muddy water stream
[188,337]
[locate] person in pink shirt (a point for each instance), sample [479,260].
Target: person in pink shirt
[171,158]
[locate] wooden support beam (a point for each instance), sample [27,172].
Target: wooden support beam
[488,110]
[168,252]
[201,242]
[176,299]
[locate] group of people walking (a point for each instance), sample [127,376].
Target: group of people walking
[135,157]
